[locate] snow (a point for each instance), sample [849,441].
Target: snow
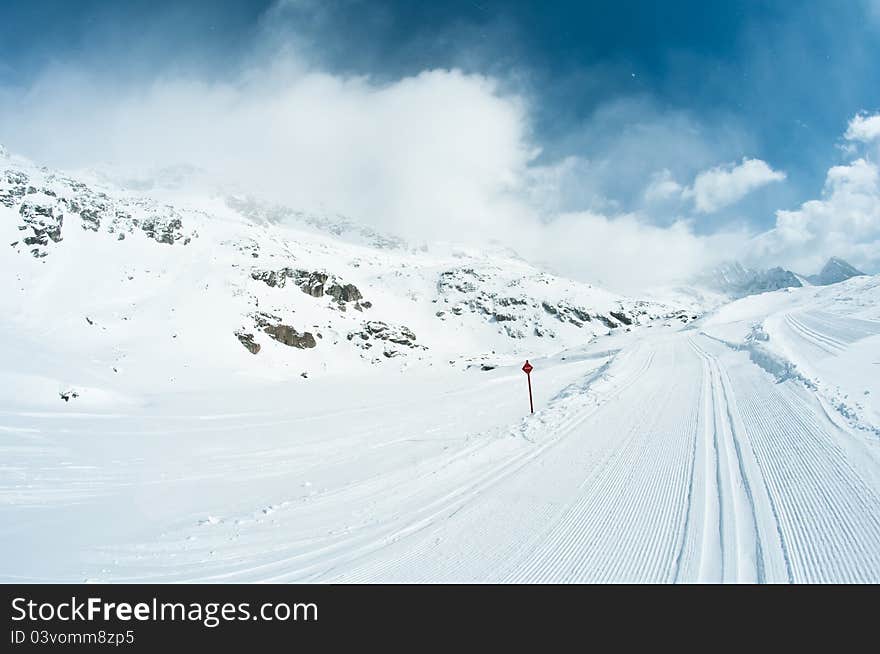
[705,441]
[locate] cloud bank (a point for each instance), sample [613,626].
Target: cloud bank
[440,155]
[725,185]
[845,222]
[864,128]
[449,155]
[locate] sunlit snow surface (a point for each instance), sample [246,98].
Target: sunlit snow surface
[741,446]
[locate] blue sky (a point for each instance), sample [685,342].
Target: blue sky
[615,95]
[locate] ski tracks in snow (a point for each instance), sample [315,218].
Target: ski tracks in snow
[703,469]
[679,460]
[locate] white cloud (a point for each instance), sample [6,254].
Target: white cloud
[424,156]
[845,222]
[626,252]
[722,186]
[662,188]
[864,128]
[439,155]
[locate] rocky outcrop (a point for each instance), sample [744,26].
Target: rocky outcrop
[14,188]
[290,337]
[247,340]
[45,200]
[163,231]
[391,336]
[43,221]
[314,283]
[344,292]
[620,316]
[282,333]
[275,278]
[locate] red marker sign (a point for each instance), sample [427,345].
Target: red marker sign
[527,368]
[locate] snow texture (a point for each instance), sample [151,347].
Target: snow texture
[210,389]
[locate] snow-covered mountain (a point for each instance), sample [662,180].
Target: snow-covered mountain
[115,293]
[255,393]
[834,271]
[736,281]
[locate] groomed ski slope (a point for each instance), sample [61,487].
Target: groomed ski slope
[676,455]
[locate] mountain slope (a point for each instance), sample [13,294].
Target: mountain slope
[834,271]
[668,456]
[737,281]
[123,295]
[155,424]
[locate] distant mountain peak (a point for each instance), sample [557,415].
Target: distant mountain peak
[835,270]
[736,280]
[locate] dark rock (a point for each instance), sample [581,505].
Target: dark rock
[248,341]
[43,221]
[275,278]
[621,316]
[91,221]
[344,293]
[399,335]
[285,334]
[289,336]
[312,283]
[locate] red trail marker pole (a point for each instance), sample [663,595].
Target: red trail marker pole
[527,368]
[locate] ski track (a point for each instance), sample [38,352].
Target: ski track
[756,487]
[679,460]
[829,333]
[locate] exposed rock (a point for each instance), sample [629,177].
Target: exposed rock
[344,293]
[12,189]
[90,220]
[275,278]
[513,332]
[163,231]
[312,283]
[315,283]
[289,336]
[248,341]
[44,207]
[44,222]
[285,334]
[621,316]
[376,329]
[68,395]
